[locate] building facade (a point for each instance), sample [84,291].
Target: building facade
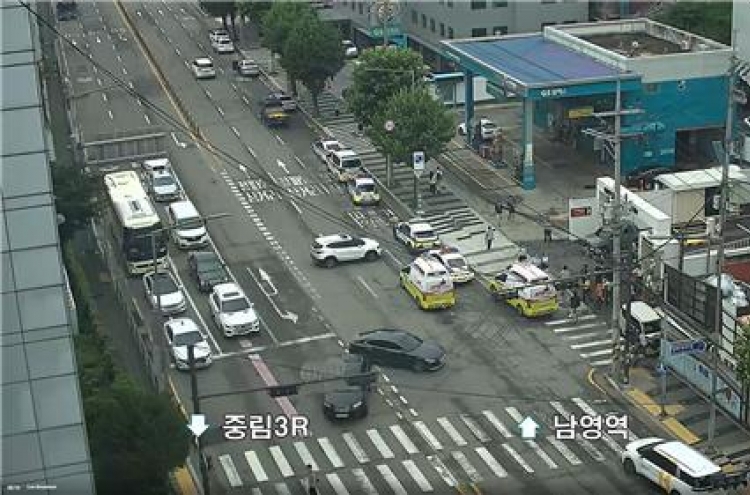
[44,442]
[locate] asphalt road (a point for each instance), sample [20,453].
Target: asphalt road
[457,425]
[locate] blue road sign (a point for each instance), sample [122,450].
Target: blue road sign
[696,346]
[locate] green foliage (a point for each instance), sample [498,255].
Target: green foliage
[254,10]
[313,55]
[742,353]
[76,198]
[710,19]
[380,74]
[421,124]
[281,21]
[223,9]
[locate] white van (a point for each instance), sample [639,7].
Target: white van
[645,322]
[186,225]
[345,165]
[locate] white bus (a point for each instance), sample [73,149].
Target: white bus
[132,218]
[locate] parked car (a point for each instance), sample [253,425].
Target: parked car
[324,147]
[331,250]
[246,67]
[286,101]
[163,292]
[347,398]
[363,191]
[164,186]
[398,349]
[182,333]
[215,35]
[350,49]
[232,311]
[207,270]
[488,128]
[452,259]
[416,234]
[203,68]
[156,165]
[223,45]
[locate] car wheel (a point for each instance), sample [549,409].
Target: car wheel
[371,256]
[330,262]
[419,366]
[629,467]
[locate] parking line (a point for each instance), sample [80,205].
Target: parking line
[564,450]
[337,484]
[427,435]
[330,452]
[367,287]
[499,426]
[477,430]
[517,457]
[391,479]
[470,470]
[554,323]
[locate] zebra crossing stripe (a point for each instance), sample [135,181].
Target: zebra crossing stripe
[591,412]
[356,448]
[337,484]
[330,452]
[400,434]
[517,457]
[477,430]
[427,435]
[417,476]
[227,464]
[603,362]
[582,336]
[564,450]
[281,462]
[363,482]
[585,444]
[491,462]
[443,471]
[593,343]
[282,489]
[554,323]
[499,426]
[577,328]
[603,352]
[462,461]
[255,466]
[255,491]
[391,479]
[380,444]
[518,418]
[305,455]
[452,432]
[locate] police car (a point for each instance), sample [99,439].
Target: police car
[363,191]
[452,259]
[416,234]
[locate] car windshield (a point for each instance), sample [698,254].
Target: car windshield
[164,284]
[408,342]
[190,223]
[204,64]
[164,180]
[235,305]
[456,262]
[332,146]
[188,338]
[209,265]
[353,163]
[366,187]
[425,234]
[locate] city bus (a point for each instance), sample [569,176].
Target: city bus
[132,220]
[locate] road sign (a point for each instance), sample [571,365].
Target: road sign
[418,161]
[695,346]
[660,369]
[389,125]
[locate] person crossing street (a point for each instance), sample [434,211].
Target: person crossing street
[489,236]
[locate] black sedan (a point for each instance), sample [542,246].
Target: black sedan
[207,269]
[398,349]
[348,397]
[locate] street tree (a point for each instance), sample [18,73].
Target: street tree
[380,74]
[226,10]
[421,123]
[742,353]
[313,56]
[253,10]
[710,19]
[76,198]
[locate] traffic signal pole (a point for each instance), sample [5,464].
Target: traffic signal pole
[202,461]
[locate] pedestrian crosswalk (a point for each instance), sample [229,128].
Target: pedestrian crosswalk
[420,456]
[590,336]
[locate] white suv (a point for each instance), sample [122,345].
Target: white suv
[182,333]
[232,310]
[674,466]
[332,249]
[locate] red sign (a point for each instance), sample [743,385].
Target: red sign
[581,211]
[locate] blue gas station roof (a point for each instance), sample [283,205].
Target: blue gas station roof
[531,60]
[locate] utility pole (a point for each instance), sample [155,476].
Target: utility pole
[719,310]
[202,461]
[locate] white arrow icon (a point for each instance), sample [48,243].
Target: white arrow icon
[266,278]
[198,424]
[528,428]
[269,290]
[282,166]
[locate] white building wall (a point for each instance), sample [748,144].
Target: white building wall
[741,27]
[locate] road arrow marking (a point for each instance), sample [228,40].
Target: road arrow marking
[282,166]
[266,278]
[269,290]
[178,142]
[528,428]
[198,424]
[288,315]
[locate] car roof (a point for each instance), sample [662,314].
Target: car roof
[203,60]
[162,172]
[420,227]
[429,265]
[346,153]
[327,239]
[364,180]
[643,312]
[182,325]
[688,459]
[156,163]
[248,61]
[330,141]
[204,255]
[222,290]
[529,272]
[381,333]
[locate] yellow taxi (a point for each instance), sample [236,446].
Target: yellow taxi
[527,288]
[429,283]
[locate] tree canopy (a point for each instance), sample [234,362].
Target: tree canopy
[421,123]
[314,55]
[380,74]
[742,353]
[226,10]
[710,19]
[254,10]
[75,198]
[281,21]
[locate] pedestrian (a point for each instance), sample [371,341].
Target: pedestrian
[433,182]
[511,210]
[499,211]
[489,236]
[547,233]
[312,481]
[575,302]
[599,293]
[439,174]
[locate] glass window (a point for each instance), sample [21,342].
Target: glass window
[450,33]
[235,305]
[63,446]
[18,408]
[478,4]
[10,312]
[500,30]
[449,3]
[7,281]
[25,448]
[50,358]
[42,308]
[432,25]
[549,1]
[34,268]
[24,174]
[14,363]
[424,21]
[31,227]
[56,401]
[442,29]
[478,32]
[188,338]
[414,17]
[361,8]
[499,3]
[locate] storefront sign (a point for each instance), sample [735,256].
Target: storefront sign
[581,211]
[578,113]
[377,31]
[552,92]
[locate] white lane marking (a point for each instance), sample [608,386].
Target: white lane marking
[585,444]
[255,466]
[301,163]
[443,471]
[564,450]
[208,93]
[477,430]
[294,205]
[591,412]
[518,418]
[380,444]
[600,363]
[235,131]
[554,323]
[124,71]
[227,464]
[282,489]
[104,96]
[603,352]
[220,111]
[491,462]
[178,52]
[255,491]
[98,81]
[251,151]
[427,435]
[588,335]
[499,426]
[402,437]
[336,484]
[278,138]
[470,470]
[367,287]
[452,431]
[593,343]
[305,455]
[284,468]
[330,452]
[517,457]
[245,100]
[417,476]
[147,119]
[364,482]
[289,343]
[356,448]
[413,412]
[119,58]
[391,479]
[109,112]
[577,328]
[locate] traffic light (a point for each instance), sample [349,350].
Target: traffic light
[282,390]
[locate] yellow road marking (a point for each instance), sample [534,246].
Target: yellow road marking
[590,378]
[645,401]
[185,482]
[680,431]
[173,390]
